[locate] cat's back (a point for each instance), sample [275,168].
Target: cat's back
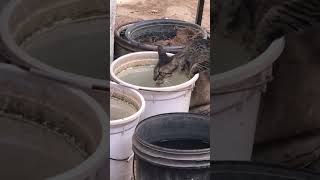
[197,54]
[198,47]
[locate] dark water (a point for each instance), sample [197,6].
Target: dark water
[183,144]
[78,47]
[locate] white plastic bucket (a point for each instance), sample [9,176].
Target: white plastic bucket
[121,132]
[236,99]
[158,100]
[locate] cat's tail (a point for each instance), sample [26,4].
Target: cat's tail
[290,16]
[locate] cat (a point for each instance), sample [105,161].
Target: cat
[193,59]
[260,22]
[288,17]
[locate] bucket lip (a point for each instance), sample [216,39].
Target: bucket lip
[134,116]
[250,69]
[180,87]
[160,21]
[169,150]
[122,27]
[125,42]
[95,158]
[33,62]
[238,165]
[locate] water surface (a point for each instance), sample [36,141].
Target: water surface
[78,47]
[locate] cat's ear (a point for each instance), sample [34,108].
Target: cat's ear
[163,57]
[161,51]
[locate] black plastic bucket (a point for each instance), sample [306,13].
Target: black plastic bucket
[122,45]
[257,171]
[173,146]
[128,36]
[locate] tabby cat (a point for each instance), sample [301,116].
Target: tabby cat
[193,59]
[265,20]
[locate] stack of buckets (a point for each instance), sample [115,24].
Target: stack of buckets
[236,97]
[151,102]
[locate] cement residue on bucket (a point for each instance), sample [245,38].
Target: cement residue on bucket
[143,76]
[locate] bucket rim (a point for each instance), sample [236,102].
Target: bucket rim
[123,41]
[163,21]
[176,158]
[180,87]
[133,117]
[201,151]
[95,158]
[30,61]
[190,159]
[256,66]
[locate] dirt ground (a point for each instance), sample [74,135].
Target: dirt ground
[133,10]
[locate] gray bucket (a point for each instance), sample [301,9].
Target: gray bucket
[128,36]
[236,98]
[49,131]
[31,29]
[170,146]
[257,171]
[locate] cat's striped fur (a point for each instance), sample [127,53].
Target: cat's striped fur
[193,59]
[266,20]
[287,17]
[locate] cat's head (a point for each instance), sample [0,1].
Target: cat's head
[166,65]
[163,68]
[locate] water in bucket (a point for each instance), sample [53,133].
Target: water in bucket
[143,76]
[121,109]
[77,47]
